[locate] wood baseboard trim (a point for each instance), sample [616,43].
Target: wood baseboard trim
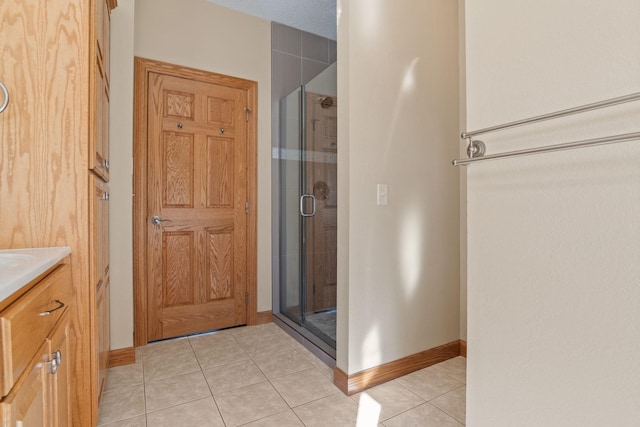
[463,348]
[355,383]
[264,317]
[122,356]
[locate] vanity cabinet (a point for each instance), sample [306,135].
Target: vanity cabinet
[35,370]
[54,158]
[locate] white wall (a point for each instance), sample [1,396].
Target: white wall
[121,183]
[193,33]
[554,239]
[398,271]
[463,171]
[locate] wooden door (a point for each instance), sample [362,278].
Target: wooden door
[197,186]
[321,181]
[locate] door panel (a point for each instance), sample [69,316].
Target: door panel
[197,183]
[321,181]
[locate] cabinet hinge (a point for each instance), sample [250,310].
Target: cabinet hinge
[246,298]
[246,112]
[246,207]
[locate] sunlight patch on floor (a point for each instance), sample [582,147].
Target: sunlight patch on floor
[368,411]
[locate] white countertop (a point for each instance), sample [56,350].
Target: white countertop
[19,266]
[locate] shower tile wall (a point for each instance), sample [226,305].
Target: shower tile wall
[296,58]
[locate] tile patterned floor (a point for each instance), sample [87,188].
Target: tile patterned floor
[259,376]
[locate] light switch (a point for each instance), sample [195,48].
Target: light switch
[383,194]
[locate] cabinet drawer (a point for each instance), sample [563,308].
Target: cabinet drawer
[25,324]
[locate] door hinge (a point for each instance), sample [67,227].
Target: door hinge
[246,298]
[247,110]
[246,207]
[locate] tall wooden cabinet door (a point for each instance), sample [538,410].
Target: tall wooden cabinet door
[102,333]
[99,148]
[99,214]
[29,403]
[60,380]
[99,208]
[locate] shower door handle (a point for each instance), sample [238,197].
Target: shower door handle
[313,205]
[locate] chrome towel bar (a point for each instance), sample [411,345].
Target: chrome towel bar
[550,148]
[476,148]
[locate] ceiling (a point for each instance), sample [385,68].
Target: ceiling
[314,16]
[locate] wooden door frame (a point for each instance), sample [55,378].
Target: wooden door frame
[142,69]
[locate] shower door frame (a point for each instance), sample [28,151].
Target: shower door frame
[311,341]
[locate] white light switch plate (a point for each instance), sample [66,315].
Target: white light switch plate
[383,194]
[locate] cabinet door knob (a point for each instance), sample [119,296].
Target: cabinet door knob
[105,163]
[6,97]
[53,366]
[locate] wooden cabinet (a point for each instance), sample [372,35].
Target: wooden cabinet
[99,148]
[36,359]
[54,152]
[99,154]
[102,333]
[99,206]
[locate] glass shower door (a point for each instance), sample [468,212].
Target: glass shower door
[308,219]
[290,169]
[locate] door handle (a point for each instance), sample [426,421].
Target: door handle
[156,220]
[313,205]
[59,305]
[4,90]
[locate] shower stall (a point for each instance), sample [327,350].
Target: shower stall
[307,212]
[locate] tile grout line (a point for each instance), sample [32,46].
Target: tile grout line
[207,381]
[444,410]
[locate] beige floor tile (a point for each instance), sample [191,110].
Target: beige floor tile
[326,371]
[158,366]
[166,348]
[171,391]
[123,376]
[140,421]
[253,331]
[201,413]
[456,367]
[249,403]
[303,387]
[429,383]
[237,363]
[121,404]
[282,363]
[262,344]
[302,350]
[424,415]
[221,354]
[335,410]
[211,340]
[232,376]
[453,403]
[282,419]
[393,399]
